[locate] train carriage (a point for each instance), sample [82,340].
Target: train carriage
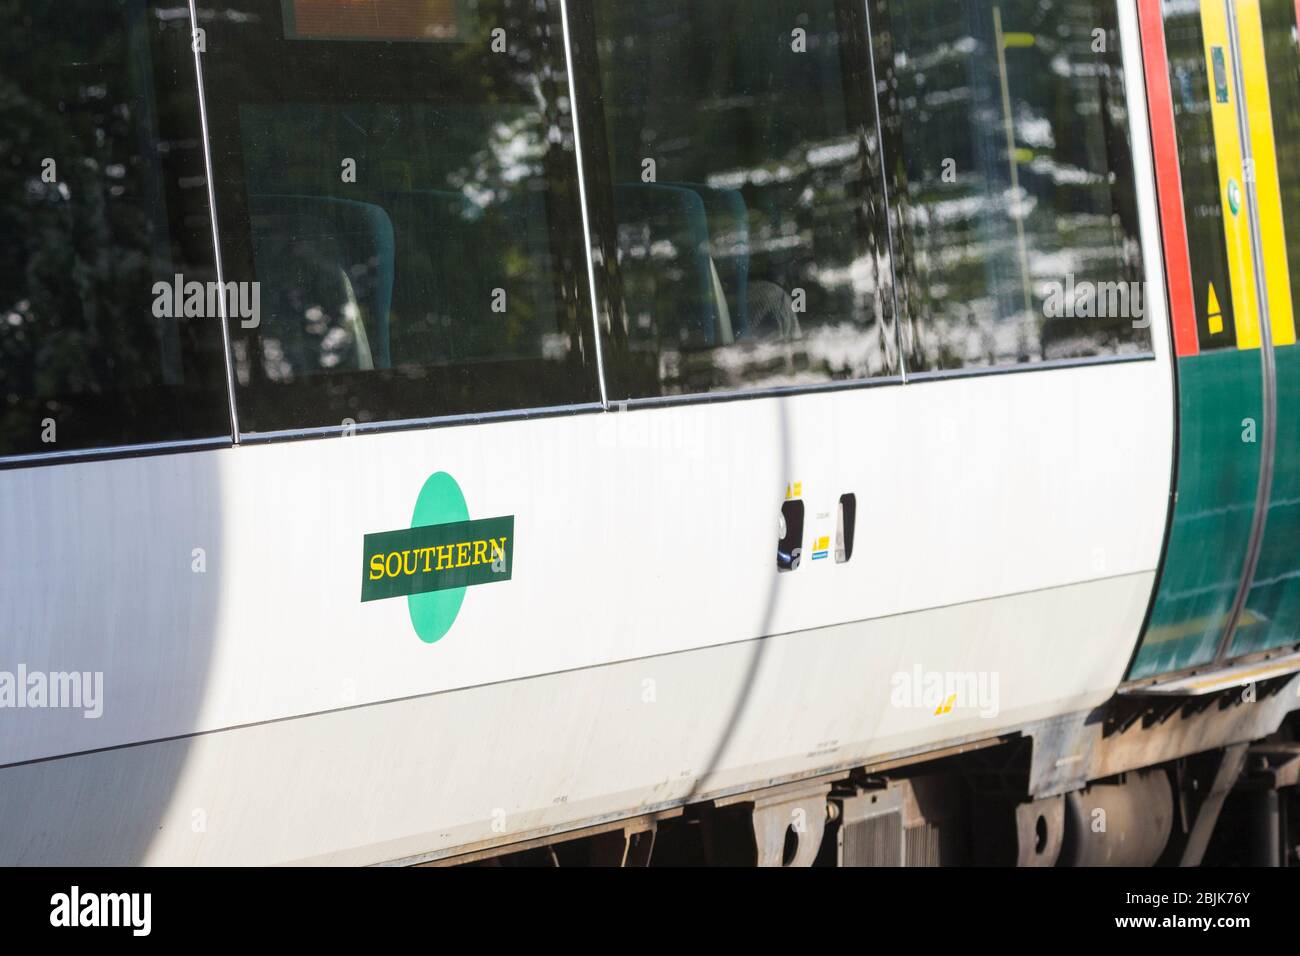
[801,432]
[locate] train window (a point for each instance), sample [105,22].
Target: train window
[401,184]
[103,202]
[747,246]
[1019,238]
[1199,86]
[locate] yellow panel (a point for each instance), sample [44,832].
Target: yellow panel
[1227,143]
[1263,146]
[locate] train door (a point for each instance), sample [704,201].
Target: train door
[1270,42]
[1229,584]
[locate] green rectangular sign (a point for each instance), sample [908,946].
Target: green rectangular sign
[437,557]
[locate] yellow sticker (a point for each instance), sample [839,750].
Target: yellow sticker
[1215,312]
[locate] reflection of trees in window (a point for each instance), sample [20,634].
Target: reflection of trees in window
[463,237]
[79,239]
[759,123]
[1017,176]
[83,232]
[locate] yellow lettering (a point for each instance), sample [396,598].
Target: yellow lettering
[376,567]
[462,554]
[428,554]
[408,566]
[389,564]
[444,556]
[480,552]
[498,548]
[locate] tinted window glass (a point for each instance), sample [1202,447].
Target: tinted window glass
[1019,239]
[747,246]
[402,187]
[102,196]
[1197,92]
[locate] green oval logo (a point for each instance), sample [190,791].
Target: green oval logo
[1234,196]
[440,502]
[432,562]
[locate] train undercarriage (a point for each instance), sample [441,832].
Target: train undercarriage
[1207,780]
